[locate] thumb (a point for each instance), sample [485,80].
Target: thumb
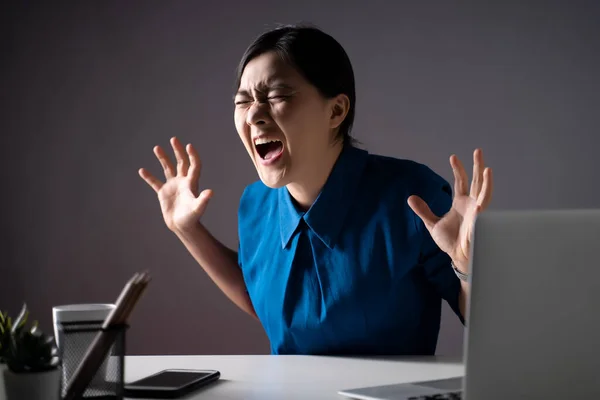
[421,208]
[202,201]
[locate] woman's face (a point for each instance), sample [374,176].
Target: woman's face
[283,120]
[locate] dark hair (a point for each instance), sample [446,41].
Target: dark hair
[317,56]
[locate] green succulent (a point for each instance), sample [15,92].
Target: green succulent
[27,349]
[3,335]
[5,328]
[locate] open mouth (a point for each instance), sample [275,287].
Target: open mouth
[268,149]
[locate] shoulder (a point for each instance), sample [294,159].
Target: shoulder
[256,193]
[396,179]
[407,177]
[258,206]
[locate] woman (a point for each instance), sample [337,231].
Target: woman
[340,251]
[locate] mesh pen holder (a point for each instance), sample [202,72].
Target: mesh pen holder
[74,339]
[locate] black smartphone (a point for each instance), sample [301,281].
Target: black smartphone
[170,383]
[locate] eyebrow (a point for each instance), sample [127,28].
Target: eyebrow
[263,87]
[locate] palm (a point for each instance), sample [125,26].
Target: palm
[452,232]
[180,202]
[176,200]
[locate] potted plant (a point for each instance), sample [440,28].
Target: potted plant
[4,337]
[32,362]
[5,327]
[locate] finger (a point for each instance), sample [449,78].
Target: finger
[421,208]
[164,162]
[150,180]
[181,157]
[195,167]
[478,167]
[460,176]
[202,201]
[485,197]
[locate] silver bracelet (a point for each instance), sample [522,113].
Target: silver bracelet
[461,275]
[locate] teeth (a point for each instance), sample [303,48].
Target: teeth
[265,141]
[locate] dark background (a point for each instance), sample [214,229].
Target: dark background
[87,88]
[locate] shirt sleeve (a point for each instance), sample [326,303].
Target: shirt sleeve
[436,263]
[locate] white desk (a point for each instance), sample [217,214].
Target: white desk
[295,377]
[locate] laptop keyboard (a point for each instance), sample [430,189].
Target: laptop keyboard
[439,396]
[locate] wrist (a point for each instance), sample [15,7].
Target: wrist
[190,232]
[462,265]
[460,270]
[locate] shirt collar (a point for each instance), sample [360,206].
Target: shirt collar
[326,216]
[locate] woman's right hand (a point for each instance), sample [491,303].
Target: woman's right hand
[181,204]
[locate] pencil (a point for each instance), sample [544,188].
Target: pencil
[98,350]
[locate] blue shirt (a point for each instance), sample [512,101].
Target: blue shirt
[358,273]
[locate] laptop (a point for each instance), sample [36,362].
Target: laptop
[533,327]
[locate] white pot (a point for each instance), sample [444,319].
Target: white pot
[32,385]
[2,391]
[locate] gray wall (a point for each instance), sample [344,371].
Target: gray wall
[88,88]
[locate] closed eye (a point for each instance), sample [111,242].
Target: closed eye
[278,97]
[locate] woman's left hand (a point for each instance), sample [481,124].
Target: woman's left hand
[453,232]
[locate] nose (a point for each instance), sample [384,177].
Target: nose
[257,114]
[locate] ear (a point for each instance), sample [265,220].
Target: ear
[339,108]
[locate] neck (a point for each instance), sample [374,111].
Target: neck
[306,190]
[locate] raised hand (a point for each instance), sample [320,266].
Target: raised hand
[181,203]
[453,231]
